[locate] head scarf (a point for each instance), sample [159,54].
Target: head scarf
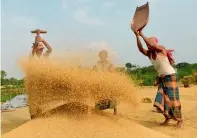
[169,53]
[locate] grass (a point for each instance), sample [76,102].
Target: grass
[8,94]
[4,98]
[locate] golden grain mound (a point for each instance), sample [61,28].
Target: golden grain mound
[50,85]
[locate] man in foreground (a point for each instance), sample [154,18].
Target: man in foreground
[167,100]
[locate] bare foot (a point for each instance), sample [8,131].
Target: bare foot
[179,124]
[165,122]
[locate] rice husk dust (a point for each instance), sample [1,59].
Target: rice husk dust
[50,85]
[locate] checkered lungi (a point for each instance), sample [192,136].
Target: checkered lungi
[167,100]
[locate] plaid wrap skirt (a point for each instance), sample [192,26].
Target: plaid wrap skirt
[167,100]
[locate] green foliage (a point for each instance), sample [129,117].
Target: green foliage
[3,74]
[11,82]
[129,65]
[4,98]
[8,93]
[184,69]
[147,75]
[194,66]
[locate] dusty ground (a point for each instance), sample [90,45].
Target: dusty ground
[141,122]
[151,119]
[13,119]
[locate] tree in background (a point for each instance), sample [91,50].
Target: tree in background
[4,81]
[3,74]
[184,69]
[128,65]
[128,68]
[11,81]
[148,74]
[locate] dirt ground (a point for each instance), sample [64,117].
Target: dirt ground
[130,122]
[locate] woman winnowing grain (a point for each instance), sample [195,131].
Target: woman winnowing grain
[105,66]
[167,100]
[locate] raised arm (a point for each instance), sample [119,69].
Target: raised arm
[37,40]
[139,44]
[144,38]
[49,49]
[151,45]
[35,44]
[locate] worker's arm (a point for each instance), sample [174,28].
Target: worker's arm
[49,49]
[35,44]
[139,44]
[37,40]
[148,43]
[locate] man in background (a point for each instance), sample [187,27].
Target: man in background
[104,65]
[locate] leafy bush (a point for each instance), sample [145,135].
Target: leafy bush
[147,75]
